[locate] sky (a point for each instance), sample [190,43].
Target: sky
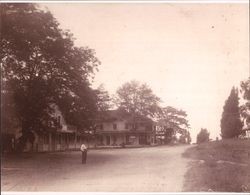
[191,55]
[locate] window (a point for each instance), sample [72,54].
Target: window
[50,124]
[126,125]
[135,126]
[114,126]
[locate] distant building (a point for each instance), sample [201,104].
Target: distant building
[246,130]
[169,133]
[117,128]
[164,132]
[63,137]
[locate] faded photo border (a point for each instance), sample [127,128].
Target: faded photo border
[125,2]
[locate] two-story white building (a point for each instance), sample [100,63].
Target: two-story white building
[117,128]
[62,137]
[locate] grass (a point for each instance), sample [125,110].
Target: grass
[219,166]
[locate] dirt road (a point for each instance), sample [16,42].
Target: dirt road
[154,169]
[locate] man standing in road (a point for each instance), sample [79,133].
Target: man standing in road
[84,153]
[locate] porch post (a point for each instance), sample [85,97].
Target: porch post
[75,139]
[50,142]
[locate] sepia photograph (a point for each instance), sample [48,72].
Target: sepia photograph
[125,97]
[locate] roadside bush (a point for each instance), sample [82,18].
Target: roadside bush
[203,136]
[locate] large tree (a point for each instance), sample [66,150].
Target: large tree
[137,98]
[174,117]
[41,66]
[230,122]
[173,121]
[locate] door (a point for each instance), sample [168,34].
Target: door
[127,139]
[142,139]
[108,140]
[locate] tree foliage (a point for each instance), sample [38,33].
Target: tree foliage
[173,121]
[8,113]
[245,108]
[41,66]
[203,136]
[230,122]
[137,98]
[104,101]
[174,118]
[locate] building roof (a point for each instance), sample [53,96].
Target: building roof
[122,132]
[114,115]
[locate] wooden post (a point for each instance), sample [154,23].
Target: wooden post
[50,142]
[75,139]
